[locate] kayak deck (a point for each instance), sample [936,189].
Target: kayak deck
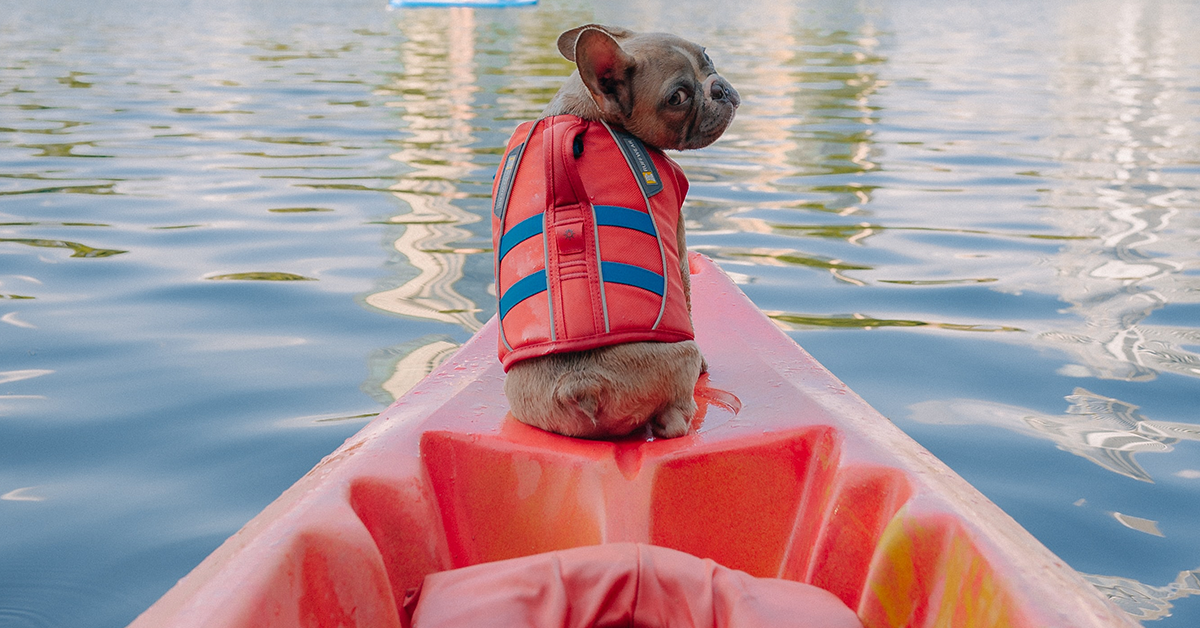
[786,473]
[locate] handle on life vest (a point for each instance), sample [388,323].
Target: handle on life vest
[565,186]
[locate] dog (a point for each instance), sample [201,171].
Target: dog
[585,368]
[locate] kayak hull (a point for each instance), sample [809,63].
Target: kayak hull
[786,473]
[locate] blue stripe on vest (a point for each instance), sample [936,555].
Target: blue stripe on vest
[523,289]
[630,275]
[613,216]
[519,233]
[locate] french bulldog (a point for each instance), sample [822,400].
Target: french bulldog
[664,91]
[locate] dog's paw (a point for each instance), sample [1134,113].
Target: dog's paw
[703,365]
[674,421]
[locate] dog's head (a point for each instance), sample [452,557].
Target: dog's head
[659,87]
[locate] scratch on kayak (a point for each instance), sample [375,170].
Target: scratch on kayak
[336,455]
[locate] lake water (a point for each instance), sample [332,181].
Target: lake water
[231,232]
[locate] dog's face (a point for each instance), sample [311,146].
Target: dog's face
[659,87]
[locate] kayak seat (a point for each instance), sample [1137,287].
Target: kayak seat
[772,505]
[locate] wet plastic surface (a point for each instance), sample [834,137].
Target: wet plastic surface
[786,473]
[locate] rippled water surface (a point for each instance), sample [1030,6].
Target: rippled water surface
[231,232]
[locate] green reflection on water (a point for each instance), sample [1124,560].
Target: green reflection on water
[328,53]
[80,250]
[66,124]
[864,322]
[71,80]
[260,276]
[65,149]
[269,156]
[295,140]
[859,321]
[803,260]
[354,187]
[939,282]
[99,188]
[857,232]
[53,224]
[211,112]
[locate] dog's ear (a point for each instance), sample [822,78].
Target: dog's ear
[566,41]
[607,71]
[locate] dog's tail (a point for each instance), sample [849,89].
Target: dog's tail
[580,393]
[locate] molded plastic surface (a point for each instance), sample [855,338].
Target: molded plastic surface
[786,473]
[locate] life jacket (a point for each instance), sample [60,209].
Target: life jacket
[584,227]
[617,584]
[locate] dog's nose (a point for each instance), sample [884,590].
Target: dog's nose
[719,89]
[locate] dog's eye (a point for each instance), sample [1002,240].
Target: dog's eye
[679,97]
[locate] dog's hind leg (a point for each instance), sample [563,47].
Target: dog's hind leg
[674,420]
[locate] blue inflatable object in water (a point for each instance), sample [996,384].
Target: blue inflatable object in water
[459,3]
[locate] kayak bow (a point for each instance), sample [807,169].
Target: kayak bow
[786,473]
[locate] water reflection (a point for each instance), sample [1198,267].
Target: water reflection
[78,249]
[807,127]
[858,233]
[24,494]
[1106,431]
[99,188]
[1143,601]
[259,276]
[16,376]
[435,91]
[14,319]
[394,370]
[1124,116]
[793,322]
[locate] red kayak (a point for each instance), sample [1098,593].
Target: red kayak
[790,497]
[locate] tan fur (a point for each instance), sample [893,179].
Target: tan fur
[628,79]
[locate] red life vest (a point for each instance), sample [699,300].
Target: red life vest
[584,221]
[617,584]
